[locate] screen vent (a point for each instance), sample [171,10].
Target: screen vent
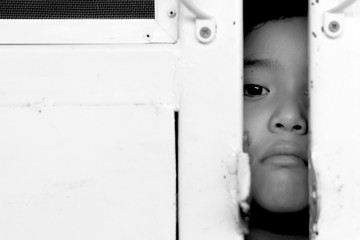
[77,9]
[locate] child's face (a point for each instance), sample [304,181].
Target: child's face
[276,113]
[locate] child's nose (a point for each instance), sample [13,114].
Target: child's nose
[289,117]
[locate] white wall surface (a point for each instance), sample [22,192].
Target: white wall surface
[94,172]
[88,142]
[210,123]
[335,118]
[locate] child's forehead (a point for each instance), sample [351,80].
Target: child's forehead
[278,45]
[278,40]
[290,28]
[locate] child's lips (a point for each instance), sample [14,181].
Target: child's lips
[286,155]
[285,161]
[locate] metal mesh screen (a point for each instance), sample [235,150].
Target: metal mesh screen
[77,9]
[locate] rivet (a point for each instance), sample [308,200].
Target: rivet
[172,13]
[205,32]
[334,26]
[147,37]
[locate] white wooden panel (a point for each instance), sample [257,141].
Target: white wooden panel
[210,123]
[87,173]
[125,74]
[335,118]
[89,139]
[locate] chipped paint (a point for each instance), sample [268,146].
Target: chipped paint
[313,201]
[243,188]
[238,187]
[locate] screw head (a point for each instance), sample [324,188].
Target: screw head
[205,32]
[334,26]
[172,13]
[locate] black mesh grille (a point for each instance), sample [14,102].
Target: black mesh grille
[77,9]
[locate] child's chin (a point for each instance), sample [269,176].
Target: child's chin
[281,190]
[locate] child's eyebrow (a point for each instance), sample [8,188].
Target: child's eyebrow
[261,63]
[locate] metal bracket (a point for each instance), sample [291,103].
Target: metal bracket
[205,24]
[334,19]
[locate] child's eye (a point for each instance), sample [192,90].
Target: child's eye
[254,90]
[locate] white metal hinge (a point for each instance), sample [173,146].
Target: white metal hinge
[205,24]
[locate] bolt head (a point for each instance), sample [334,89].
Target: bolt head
[334,26]
[172,13]
[205,32]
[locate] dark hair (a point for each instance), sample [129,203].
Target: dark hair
[262,11]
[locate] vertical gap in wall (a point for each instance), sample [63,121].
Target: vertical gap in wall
[287,224]
[176,121]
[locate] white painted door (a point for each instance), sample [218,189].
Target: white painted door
[88,126]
